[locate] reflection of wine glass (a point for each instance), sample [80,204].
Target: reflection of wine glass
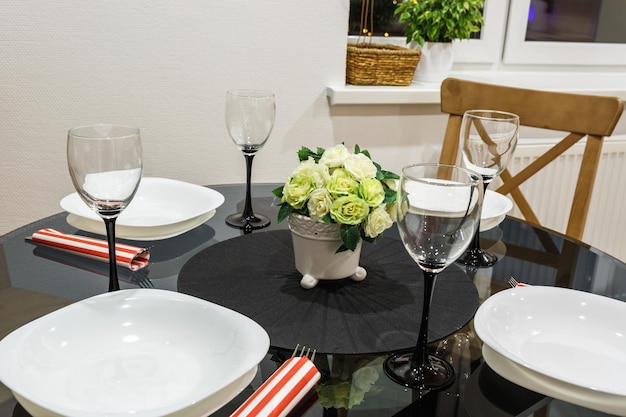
[438,214]
[105,163]
[250,118]
[488,139]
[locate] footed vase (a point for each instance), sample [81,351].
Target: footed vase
[314,246]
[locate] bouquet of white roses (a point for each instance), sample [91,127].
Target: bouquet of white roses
[335,186]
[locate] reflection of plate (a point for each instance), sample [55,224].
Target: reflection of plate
[161,208]
[527,378]
[565,334]
[139,233]
[133,359]
[495,208]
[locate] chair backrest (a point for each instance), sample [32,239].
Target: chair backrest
[581,115]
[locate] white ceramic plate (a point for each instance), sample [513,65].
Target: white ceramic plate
[140,352]
[139,233]
[527,378]
[495,208]
[569,335]
[161,207]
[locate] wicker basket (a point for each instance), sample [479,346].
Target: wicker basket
[374,64]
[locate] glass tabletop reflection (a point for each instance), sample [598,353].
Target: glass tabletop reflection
[43,279]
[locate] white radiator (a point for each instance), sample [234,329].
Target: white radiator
[549,193]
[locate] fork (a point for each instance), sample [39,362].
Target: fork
[302,352]
[514,283]
[141,279]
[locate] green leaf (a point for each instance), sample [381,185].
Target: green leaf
[350,235]
[278,192]
[284,212]
[390,196]
[304,153]
[388,175]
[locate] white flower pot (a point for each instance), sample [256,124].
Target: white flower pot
[435,63]
[314,246]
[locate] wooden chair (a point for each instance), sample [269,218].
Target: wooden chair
[581,115]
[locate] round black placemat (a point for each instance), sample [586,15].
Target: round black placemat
[255,275]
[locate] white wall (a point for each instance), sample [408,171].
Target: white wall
[163,66]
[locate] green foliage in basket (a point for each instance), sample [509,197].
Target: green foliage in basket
[440,20]
[336,186]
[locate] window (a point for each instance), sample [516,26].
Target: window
[527,32]
[487,49]
[566,32]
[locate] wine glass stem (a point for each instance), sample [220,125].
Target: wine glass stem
[114,284]
[420,354]
[476,241]
[247,210]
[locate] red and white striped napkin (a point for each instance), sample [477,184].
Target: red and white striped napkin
[131,257]
[282,391]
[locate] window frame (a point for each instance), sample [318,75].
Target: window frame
[519,51]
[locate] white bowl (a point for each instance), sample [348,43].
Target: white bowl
[161,208]
[569,335]
[138,353]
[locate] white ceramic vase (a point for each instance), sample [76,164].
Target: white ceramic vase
[435,63]
[314,246]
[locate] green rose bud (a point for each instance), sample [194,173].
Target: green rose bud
[341,183]
[350,209]
[297,190]
[372,191]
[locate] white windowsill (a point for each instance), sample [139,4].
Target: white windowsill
[596,83]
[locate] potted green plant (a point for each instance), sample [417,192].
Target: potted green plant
[434,25]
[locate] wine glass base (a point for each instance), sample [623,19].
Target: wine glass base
[435,375]
[256,221]
[478,258]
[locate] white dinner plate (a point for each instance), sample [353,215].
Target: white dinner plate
[143,352]
[495,208]
[569,335]
[139,233]
[534,381]
[161,207]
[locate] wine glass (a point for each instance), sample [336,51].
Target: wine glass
[250,118]
[105,163]
[488,139]
[438,214]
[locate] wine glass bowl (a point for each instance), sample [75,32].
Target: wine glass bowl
[488,139]
[438,215]
[105,164]
[250,116]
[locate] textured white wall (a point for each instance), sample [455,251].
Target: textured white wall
[163,66]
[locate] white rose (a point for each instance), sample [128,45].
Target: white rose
[360,166]
[334,157]
[319,203]
[317,173]
[364,378]
[377,222]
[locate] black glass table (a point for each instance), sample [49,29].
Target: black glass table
[35,280]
